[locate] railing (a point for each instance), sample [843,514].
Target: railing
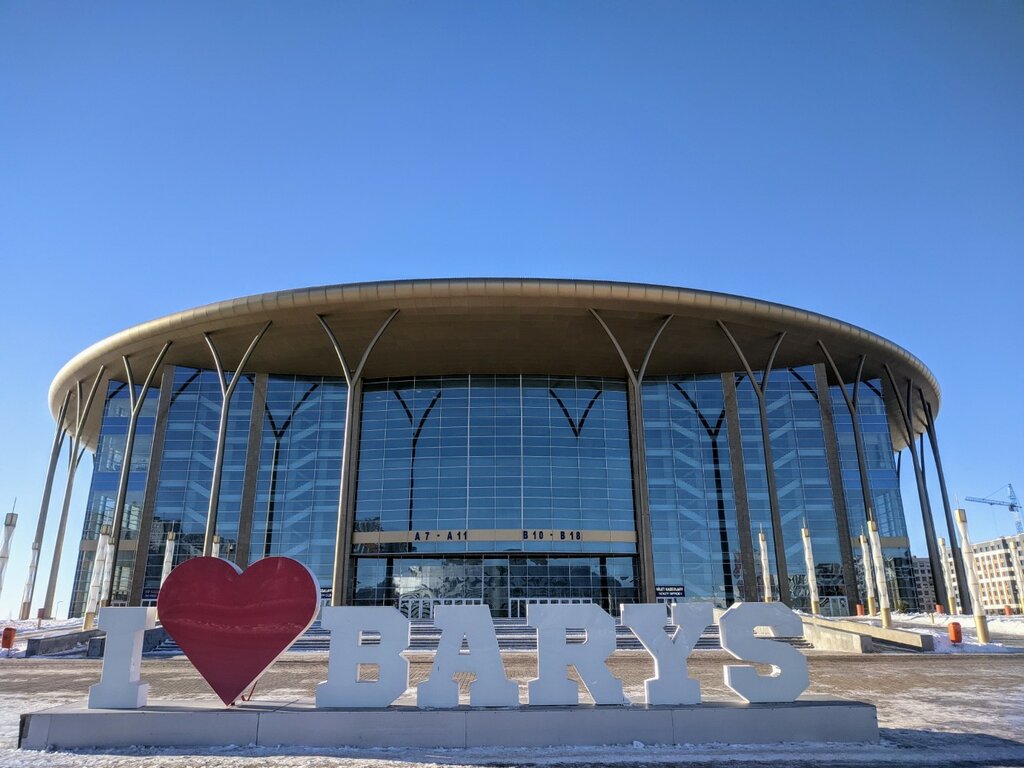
[517,605]
[423,607]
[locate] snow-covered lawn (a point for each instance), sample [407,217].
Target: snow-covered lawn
[34,628]
[1002,625]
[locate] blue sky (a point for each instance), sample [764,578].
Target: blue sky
[864,160]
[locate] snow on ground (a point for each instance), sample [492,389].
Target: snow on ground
[933,711]
[28,628]
[942,643]
[1005,631]
[34,626]
[1003,625]
[900,746]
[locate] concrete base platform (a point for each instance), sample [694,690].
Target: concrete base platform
[299,723]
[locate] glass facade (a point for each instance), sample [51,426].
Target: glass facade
[885,486]
[689,475]
[296,508]
[463,464]
[106,475]
[528,454]
[183,485]
[801,476]
[501,489]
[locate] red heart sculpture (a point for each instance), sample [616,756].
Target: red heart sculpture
[233,625]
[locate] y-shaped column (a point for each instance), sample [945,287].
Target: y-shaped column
[907,417]
[638,448]
[760,389]
[227,389]
[74,459]
[954,547]
[346,498]
[44,508]
[5,549]
[136,402]
[852,403]
[853,407]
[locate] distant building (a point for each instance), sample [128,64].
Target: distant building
[925,583]
[1000,564]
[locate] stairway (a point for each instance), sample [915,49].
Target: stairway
[513,635]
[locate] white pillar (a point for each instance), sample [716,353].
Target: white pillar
[967,550]
[98,576]
[215,551]
[869,575]
[108,573]
[1016,556]
[765,569]
[812,577]
[5,549]
[880,576]
[952,608]
[30,582]
[169,547]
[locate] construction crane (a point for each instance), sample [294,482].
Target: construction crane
[1013,504]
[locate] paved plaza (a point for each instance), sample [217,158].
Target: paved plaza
[953,709]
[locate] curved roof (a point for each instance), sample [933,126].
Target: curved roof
[495,325]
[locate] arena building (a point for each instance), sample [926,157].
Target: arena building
[500,441]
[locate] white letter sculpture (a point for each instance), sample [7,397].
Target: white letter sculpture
[492,688]
[348,624]
[670,684]
[789,667]
[119,686]
[552,684]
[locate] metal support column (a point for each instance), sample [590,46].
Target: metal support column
[74,459]
[954,547]
[44,507]
[906,416]
[156,455]
[638,451]
[739,485]
[136,402]
[760,389]
[227,389]
[252,472]
[852,405]
[350,445]
[835,477]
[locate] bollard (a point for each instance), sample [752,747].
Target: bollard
[956,633]
[860,609]
[939,609]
